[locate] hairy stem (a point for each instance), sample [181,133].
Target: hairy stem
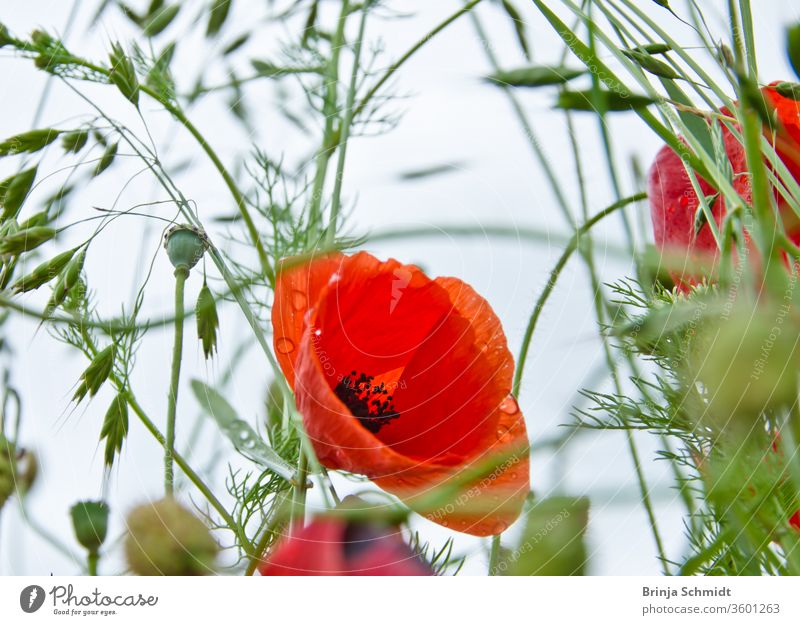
[181,273]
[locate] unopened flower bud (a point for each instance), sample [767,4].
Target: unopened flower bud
[8,464]
[164,538]
[90,522]
[27,470]
[185,245]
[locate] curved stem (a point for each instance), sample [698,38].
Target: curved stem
[554,274]
[396,65]
[181,273]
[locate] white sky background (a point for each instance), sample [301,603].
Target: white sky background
[450,116]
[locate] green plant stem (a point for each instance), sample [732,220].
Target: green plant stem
[194,478]
[347,122]
[551,282]
[329,140]
[181,273]
[494,554]
[411,51]
[261,546]
[92,559]
[300,486]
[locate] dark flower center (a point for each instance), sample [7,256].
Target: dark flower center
[371,404]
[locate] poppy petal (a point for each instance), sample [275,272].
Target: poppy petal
[296,288]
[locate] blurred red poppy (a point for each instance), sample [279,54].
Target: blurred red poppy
[406,380]
[333,546]
[794,520]
[674,203]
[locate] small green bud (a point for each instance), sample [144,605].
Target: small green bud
[90,522]
[207,320]
[96,373]
[26,240]
[5,36]
[185,245]
[164,538]
[41,38]
[43,273]
[8,470]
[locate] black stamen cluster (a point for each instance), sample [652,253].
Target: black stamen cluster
[370,404]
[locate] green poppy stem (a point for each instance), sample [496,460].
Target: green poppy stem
[181,273]
[92,560]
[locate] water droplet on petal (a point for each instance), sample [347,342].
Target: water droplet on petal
[299,300]
[284,345]
[446,523]
[513,476]
[502,432]
[499,527]
[509,405]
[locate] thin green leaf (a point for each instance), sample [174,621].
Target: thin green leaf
[219,13]
[605,101]
[243,437]
[536,76]
[158,21]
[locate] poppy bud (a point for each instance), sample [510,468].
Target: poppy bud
[27,471]
[185,245]
[90,523]
[164,538]
[8,465]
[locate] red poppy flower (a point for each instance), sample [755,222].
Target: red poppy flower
[332,546]
[406,380]
[674,203]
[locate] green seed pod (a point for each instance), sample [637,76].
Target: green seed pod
[74,141]
[747,364]
[164,538]
[67,280]
[31,141]
[43,273]
[90,523]
[8,470]
[14,190]
[96,373]
[107,159]
[26,240]
[123,74]
[207,320]
[185,245]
